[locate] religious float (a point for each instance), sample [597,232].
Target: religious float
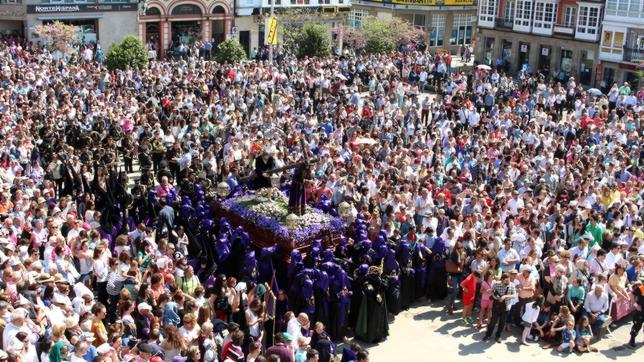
[265,216]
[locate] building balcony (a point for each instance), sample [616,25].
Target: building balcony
[611,55]
[588,36]
[632,14]
[523,26]
[485,21]
[633,55]
[564,29]
[545,29]
[504,23]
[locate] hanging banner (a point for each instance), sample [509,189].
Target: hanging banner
[271,31]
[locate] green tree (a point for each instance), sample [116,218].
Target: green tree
[315,41]
[386,35]
[380,36]
[230,51]
[129,53]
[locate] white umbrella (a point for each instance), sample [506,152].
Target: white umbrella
[365,141]
[483,67]
[594,91]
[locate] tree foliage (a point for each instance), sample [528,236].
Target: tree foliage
[56,36]
[380,36]
[352,38]
[230,51]
[291,24]
[315,41]
[129,53]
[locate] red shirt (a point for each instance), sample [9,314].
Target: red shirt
[469,289]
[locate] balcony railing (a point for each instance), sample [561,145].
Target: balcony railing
[633,55]
[504,23]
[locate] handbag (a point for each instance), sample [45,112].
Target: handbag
[452,267]
[551,298]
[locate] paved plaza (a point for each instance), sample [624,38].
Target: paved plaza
[427,333]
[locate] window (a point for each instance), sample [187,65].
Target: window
[629,8]
[186,9]
[419,20]
[461,29]
[437,35]
[356,17]
[613,42]
[508,13]
[588,20]
[153,11]
[569,16]
[487,11]
[523,13]
[544,15]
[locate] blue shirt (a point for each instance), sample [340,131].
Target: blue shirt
[568,335]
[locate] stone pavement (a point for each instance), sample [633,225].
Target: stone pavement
[427,333]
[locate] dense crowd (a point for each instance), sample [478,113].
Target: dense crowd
[523,195]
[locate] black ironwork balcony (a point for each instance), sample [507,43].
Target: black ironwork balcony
[504,23]
[633,55]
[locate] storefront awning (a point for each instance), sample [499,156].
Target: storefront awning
[71,16]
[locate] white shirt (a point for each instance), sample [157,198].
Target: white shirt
[531,314]
[295,330]
[100,270]
[251,317]
[515,205]
[612,259]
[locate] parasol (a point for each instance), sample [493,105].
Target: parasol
[594,91]
[365,141]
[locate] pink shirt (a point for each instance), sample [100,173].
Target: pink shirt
[163,191]
[527,286]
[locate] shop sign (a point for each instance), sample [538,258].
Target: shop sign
[79,8]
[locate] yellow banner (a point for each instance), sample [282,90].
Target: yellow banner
[271,31]
[459,2]
[430,2]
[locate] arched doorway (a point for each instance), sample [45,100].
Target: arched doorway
[153,28]
[219,24]
[186,24]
